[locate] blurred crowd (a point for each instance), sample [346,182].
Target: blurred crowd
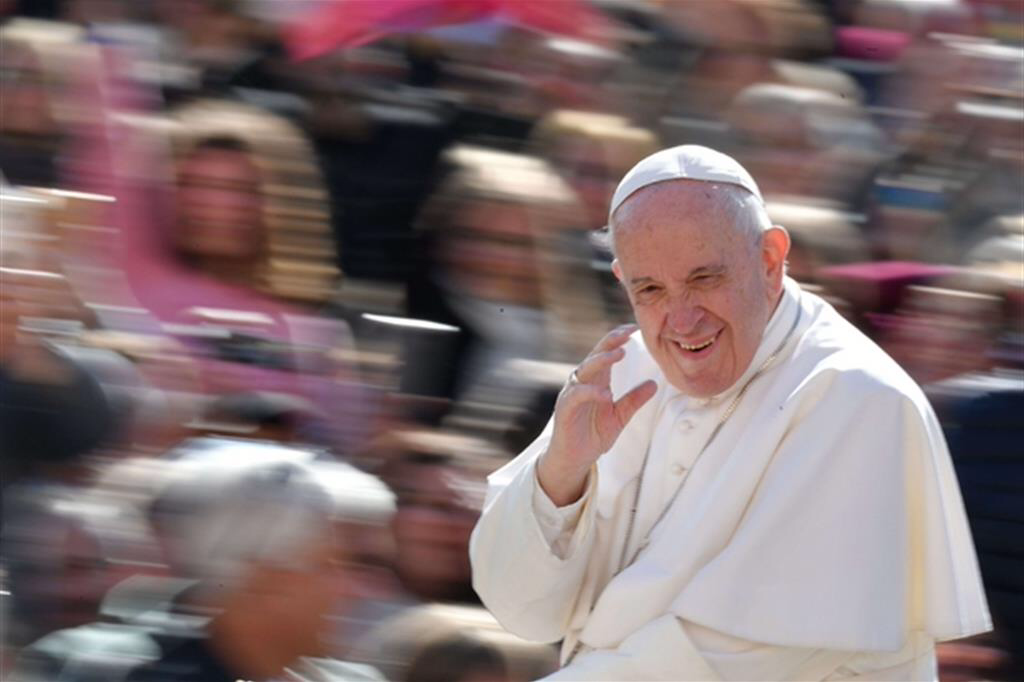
[282,282]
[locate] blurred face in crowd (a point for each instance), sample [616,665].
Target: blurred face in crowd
[25,100]
[219,205]
[592,180]
[431,531]
[490,251]
[61,576]
[941,333]
[284,610]
[308,597]
[701,284]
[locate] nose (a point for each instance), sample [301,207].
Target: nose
[684,316]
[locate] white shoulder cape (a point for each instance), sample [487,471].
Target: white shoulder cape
[826,514]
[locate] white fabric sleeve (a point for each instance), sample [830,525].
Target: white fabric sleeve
[530,589]
[557,523]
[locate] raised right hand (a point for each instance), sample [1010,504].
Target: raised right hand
[587,421]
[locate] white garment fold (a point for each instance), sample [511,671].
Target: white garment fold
[824,521]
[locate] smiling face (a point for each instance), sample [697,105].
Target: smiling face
[701,284]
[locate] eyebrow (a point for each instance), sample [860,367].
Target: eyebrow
[702,270]
[707,270]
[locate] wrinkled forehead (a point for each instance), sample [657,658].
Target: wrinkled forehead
[697,208]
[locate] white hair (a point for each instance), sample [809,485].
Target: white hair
[746,210]
[222,516]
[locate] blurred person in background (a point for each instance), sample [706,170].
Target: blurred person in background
[54,409]
[732,55]
[983,428]
[421,555]
[557,72]
[948,331]
[820,237]
[258,568]
[216,48]
[363,511]
[458,658]
[990,164]
[69,406]
[926,62]
[493,269]
[805,142]
[963,335]
[56,564]
[251,210]
[38,58]
[943,190]
[590,151]
[237,270]
[437,499]
[740,43]
[456,642]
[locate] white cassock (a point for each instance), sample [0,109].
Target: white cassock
[820,535]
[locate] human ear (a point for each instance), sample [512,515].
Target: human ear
[617,269]
[774,249]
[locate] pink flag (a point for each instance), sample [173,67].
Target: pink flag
[350,23]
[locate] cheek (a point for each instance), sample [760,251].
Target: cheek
[304,605]
[744,311]
[649,317]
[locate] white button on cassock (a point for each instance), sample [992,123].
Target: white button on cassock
[678,469]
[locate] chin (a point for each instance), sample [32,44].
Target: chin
[701,387]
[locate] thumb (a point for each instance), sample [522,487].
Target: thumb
[627,405]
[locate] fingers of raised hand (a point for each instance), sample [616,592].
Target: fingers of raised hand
[587,393]
[596,368]
[637,397]
[614,338]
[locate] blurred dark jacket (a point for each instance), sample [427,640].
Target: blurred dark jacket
[46,425]
[984,430]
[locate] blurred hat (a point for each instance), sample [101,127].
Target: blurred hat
[685,162]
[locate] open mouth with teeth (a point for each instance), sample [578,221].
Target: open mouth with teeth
[697,348]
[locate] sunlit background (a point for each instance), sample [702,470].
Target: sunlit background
[284,280]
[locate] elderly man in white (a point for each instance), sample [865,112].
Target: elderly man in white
[745,487]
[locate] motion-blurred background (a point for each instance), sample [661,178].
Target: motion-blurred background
[359,242]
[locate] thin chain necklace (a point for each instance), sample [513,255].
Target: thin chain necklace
[623,565]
